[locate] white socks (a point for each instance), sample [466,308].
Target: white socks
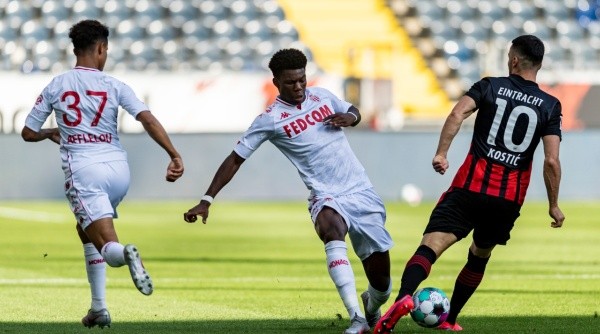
[113,254]
[96,273]
[342,276]
[377,298]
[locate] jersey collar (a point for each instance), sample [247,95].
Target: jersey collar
[86,69]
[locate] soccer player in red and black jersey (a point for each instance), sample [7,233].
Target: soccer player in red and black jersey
[489,188]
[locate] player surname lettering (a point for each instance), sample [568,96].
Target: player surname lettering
[85,138]
[508,158]
[520,96]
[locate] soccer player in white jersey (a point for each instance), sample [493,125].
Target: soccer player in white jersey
[305,124]
[85,102]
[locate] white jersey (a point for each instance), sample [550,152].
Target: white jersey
[86,103]
[321,153]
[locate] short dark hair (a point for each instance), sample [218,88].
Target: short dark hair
[84,34]
[529,47]
[287,59]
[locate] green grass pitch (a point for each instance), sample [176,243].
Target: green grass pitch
[259,268]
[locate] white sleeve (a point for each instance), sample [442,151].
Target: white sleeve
[129,101]
[261,130]
[338,104]
[40,111]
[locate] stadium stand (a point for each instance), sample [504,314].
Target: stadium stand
[459,39]
[148,34]
[422,53]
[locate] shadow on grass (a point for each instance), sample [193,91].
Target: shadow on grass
[493,325]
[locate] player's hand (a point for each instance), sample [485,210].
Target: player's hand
[199,210]
[339,119]
[557,216]
[174,170]
[440,164]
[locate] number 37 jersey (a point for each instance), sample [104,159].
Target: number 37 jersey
[513,115]
[86,103]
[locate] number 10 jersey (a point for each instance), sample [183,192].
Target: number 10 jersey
[513,115]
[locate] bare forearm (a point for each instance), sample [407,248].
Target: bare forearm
[449,131]
[224,174]
[159,135]
[552,175]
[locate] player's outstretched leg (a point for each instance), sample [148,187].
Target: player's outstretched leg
[388,321]
[99,318]
[140,277]
[357,326]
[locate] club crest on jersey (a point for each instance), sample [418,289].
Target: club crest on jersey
[39,99]
[306,121]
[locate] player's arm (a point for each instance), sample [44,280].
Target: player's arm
[34,136]
[552,175]
[224,174]
[160,136]
[343,119]
[463,109]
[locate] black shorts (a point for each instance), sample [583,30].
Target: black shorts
[490,218]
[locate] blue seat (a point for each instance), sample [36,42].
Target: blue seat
[60,35]
[489,13]
[84,10]
[146,11]
[141,54]
[181,12]
[129,32]
[53,12]
[158,32]
[45,55]
[17,13]
[32,32]
[194,32]
[115,11]
[7,33]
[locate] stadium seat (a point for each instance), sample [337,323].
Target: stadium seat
[32,32]
[17,13]
[53,12]
[194,32]
[181,12]
[115,11]
[129,32]
[159,32]
[84,10]
[7,33]
[146,11]
[45,55]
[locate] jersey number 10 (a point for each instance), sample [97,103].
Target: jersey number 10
[510,126]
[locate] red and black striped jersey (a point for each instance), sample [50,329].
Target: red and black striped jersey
[513,115]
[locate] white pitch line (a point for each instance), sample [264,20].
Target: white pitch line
[30,215]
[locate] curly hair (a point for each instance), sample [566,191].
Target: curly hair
[530,48]
[287,59]
[86,33]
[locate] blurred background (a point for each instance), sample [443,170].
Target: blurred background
[201,66]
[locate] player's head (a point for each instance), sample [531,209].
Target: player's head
[90,38]
[526,53]
[288,67]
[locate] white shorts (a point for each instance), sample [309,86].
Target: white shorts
[364,213]
[95,191]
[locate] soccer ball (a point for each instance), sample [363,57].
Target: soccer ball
[431,307]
